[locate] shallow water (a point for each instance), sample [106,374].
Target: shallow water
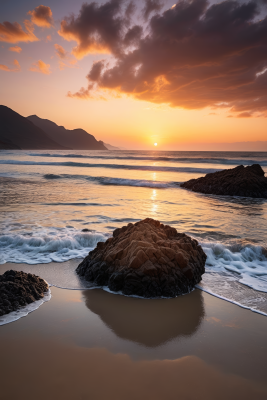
[193,346]
[48,198]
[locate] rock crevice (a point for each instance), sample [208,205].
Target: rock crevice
[146,259]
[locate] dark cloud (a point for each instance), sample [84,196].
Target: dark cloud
[42,16]
[195,55]
[133,35]
[130,10]
[97,29]
[96,70]
[151,6]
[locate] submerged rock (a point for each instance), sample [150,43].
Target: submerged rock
[240,181]
[19,289]
[146,259]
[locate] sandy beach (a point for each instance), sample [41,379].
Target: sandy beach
[194,346]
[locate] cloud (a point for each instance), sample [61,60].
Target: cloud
[194,55]
[42,16]
[16,49]
[41,67]
[13,33]
[151,6]
[69,61]
[48,38]
[6,68]
[97,29]
[61,53]
[244,115]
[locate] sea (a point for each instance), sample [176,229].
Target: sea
[55,206]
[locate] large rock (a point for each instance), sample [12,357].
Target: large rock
[240,181]
[147,259]
[19,289]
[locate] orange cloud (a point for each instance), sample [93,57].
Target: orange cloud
[42,16]
[16,49]
[6,68]
[48,38]
[244,115]
[13,33]
[41,67]
[193,55]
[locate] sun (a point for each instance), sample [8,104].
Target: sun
[155,144]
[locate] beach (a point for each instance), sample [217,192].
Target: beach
[88,342]
[193,346]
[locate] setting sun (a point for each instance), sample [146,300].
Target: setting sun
[155,144]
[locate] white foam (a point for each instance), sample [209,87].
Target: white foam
[23,311]
[42,248]
[247,263]
[230,301]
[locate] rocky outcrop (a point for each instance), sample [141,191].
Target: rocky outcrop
[19,289]
[147,259]
[240,181]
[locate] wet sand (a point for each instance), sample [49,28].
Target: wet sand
[93,344]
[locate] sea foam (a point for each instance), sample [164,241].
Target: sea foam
[246,263]
[43,248]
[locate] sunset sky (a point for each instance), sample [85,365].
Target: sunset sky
[134,73]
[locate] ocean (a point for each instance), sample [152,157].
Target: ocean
[48,199]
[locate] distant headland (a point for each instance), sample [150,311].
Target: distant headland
[34,133]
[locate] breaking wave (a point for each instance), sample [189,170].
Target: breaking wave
[45,248]
[246,263]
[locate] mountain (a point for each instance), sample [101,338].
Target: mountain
[76,139]
[110,147]
[17,132]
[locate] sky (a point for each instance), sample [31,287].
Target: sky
[190,75]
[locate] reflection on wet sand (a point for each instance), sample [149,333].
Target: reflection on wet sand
[148,322]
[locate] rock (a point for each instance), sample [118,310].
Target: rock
[240,181]
[147,259]
[19,289]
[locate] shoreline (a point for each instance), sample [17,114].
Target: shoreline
[56,272]
[138,347]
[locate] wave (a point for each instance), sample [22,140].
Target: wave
[114,166]
[103,180]
[191,160]
[246,263]
[232,271]
[45,248]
